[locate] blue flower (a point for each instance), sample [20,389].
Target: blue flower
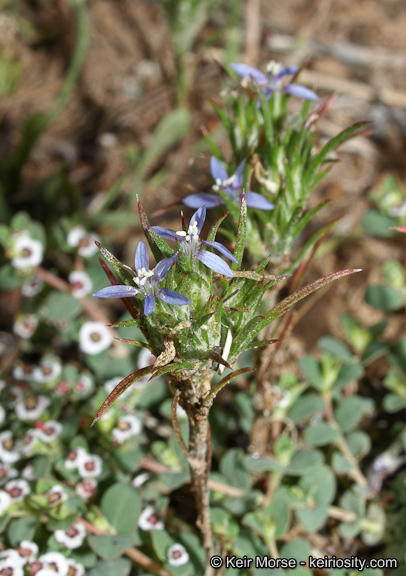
[191,245]
[231,185]
[147,282]
[272,81]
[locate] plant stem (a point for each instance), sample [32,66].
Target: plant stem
[191,396]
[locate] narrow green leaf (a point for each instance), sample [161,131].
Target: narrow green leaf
[241,235]
[211,236]
[173,368]
[336,141]
[259,343]
[120,388]
[152,236]
[168,132]
[220,385]
[306,291]
[145,226]
[124,274]
[126,324]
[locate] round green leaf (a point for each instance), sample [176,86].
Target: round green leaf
[320,434]
[109,547]
[304,461]
[305,407]
[119,567]
[121,506]
[60,307]
[351,410]
[359,443]
[384,297]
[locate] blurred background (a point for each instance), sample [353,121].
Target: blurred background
[131,65]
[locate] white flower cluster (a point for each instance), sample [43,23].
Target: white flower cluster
[25,557]
[87,465]
[84,242]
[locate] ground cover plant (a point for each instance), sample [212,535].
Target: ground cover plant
[161,434]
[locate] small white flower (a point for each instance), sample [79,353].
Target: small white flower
[127,426]
[12,557]
[81,283]
[112,383]
[32,287]
[75,235]
[28,473]
[26,252]
[29,441]
[71,538]
[17,490]
[46,572]
[149,520]
[56,495]
[87,247]
[181,413]
[25,325]
[5,501]
[145,358]
[62,388]
[48,370]
[177,555]
[9,452]
[90,466]
[10,567]
[94,337]
[24,372]
[7,473]
[27,550]
[54,562]
[140,479]
[75,568]
[31,407]
[84,242]
[74,458]
[49,430]
[83,385]
[282,397]
[87,488]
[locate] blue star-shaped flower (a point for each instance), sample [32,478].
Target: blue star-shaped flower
[191,245]
[272,81]
[231,185]
[147,282]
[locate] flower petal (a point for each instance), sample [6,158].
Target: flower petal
[300,92]
[149,304]
[197,200]
[117,292]
[255,200]
[171,297]
[237,183]
[217,169]
[214,262]
[221,249]
[166,233]
[287,71]
[199,217]
[250,73]
[141,257]
[162,268]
